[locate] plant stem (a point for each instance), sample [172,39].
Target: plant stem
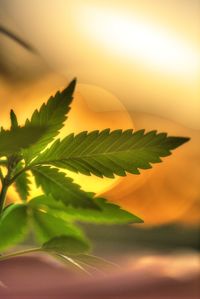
[6,181]
[19,173]
[18,253]
[3,196]
[5,185]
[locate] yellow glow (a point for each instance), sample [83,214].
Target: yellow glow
[137,39]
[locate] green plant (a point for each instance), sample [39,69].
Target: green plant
[52,216]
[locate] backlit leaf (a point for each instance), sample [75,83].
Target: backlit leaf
[47,226]
[13,119]
[52,115]
[66,245]
[108,153]
[109,214]
[62,188]
[13,226]
[16,139]
[22,183]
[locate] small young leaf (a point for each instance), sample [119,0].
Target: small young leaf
[66,245]
[52,115]
[62,188]
[22,183]
[107,153]
[109,213]
[13,119]
[13,226]
[47,226]
[14,140]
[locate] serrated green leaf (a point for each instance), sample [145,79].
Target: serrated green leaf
[22,182]
[13,119]
[52,115]
[47,226]
[16,139]
[66,245]
[107,153]
[13,226]
[109,214]
[62,188]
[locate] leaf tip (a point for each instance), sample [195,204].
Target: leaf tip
[175,142]
[69,90]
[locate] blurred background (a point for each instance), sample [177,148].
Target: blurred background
[138,66]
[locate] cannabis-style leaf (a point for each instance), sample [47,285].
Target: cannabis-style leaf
[109,214]
[22,182]
[66,245]
[47,226]
[61,187]
[107,153]
[53,215]
[14,140]
[52,115]
[13,225]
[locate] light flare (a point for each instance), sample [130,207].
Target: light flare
[136,39]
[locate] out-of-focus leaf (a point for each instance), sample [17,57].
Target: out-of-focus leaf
[109,213]
[47,226]
[13,225]
[13,119]
[66,245]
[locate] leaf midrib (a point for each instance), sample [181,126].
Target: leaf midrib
[62,186]
[89,156]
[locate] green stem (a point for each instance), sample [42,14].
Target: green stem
[5,185]
[3,196]
[18,253]
[1,176]
[19,173]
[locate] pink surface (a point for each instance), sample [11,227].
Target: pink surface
[154,277]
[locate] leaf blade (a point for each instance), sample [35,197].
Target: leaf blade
[14,140]
[52,115]
[61,187]
[109,213]
[66,245]
[13,226]
[47,226]
[22,182]
[13,119]
[108,153]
